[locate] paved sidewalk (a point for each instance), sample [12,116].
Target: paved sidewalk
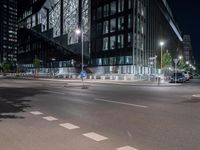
[117,82]
[135,82]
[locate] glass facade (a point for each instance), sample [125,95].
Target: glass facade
[131,33]
[122,34]
[8,31]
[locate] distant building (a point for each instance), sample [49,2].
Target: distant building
[125,34]
[120,36]
[8,30]
[47,31]
[188,51]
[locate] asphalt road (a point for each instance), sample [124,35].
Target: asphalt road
[54,115]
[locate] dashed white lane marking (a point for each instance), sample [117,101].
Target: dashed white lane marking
[69,126]
[50,118]
[36,113]
[126,148]
[54,92]
[95,136]
[197,95]
[121,103]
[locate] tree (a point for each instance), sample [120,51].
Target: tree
[6,67]
[167,59]
[36,65]
[181,64]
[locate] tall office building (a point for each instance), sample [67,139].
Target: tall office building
[188,51]
[120,36]
[47,31]
[125,35]
[8,30]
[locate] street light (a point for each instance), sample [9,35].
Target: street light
[180,57]
[161,53]
[52,66]
[78,32]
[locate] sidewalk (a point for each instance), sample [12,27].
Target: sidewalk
[135,82]
[116,82]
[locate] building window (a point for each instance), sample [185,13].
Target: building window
[120,43]
[105,44]
[130,38]
[112,61]
[105,61]
[99,13]
[99,28]
[121,23]
[106,10]
[113,8]
[112,42]
[99,44]
[105,27]
[120,5]
[113,25]
[120,60]
[128,60]
[99,61]
[130,4]
[94,14]
[130,21]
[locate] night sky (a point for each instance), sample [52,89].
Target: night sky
[187,15]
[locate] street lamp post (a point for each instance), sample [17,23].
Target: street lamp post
[78,32]
[82,74]
[52,66]
[161,54]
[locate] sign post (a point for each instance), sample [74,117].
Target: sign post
[83,74]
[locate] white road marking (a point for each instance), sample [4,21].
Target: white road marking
[36,113]
[197,95]
[54,92]
[69,126]
[126,148]
[50,118]
[121,103]
[95,136]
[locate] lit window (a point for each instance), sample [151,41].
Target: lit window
[113,25]
[105,43]
[112,42]
[120,5]
[113,8]
[120,42]
[106,10]
[105,27]
[120,23]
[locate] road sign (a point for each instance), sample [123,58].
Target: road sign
[175,61]
[83,74]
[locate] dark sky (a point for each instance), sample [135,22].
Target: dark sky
[187,14]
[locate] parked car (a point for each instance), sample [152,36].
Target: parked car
[187,75]
[178,77]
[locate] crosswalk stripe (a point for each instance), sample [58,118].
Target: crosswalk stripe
[126,148]
[36,112]
[50,118]
[95,136]
[69,126]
